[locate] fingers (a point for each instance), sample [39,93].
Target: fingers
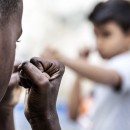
[40,71]
[14,80]
[16,64]
[33,74]
[37,63]
[51,67]
[51,53]
[26,83]
[84,52]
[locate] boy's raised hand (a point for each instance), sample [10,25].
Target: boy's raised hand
[51,53]
[84,52]
[13,92]
[42,79]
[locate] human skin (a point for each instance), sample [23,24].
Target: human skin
[111,41]
[9,101]
[75,95]
[42,79]
[9,34]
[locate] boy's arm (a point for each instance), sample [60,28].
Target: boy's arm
[74,99]
[92,72]
[95,73]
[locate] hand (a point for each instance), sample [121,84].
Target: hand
[42,79]
[84,52]
[13,92]
[51,53]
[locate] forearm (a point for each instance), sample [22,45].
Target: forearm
[92,72]
[6,118]
[46,122]
[74,99]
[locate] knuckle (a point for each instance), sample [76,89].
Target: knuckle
[25,65]
[60,66]
[43,82]
[33,59]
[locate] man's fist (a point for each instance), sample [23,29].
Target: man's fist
[42,79]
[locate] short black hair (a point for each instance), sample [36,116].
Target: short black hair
[112,10]
[7,8]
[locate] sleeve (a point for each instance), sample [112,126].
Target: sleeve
[122,66]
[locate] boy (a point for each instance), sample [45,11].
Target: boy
[111,22]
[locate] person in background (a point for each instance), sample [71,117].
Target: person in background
[111,20]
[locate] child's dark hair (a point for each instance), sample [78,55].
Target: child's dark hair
[112,10]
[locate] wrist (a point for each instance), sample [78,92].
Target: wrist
[6,112]
[4,106]
[48,121]
[6,118]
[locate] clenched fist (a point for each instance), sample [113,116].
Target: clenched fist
[42,79]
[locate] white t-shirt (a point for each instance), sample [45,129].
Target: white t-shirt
[112,108]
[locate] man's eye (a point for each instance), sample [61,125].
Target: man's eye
[18,41]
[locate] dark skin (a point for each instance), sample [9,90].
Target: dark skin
[9,34]
[40,102]
[42,79]
[9,101]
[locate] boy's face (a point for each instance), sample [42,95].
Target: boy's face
[111,40]
[9,34]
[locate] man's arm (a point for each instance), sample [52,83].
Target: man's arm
[6,118]
[9,101]
[41,78]
[48,121]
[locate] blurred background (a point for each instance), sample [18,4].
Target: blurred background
[61,24]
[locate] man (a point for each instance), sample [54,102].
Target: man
[40,76]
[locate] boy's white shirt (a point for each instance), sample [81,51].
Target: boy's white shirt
[109,104]
[121,64]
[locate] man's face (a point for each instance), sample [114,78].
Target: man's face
[9,34]
[111,40]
